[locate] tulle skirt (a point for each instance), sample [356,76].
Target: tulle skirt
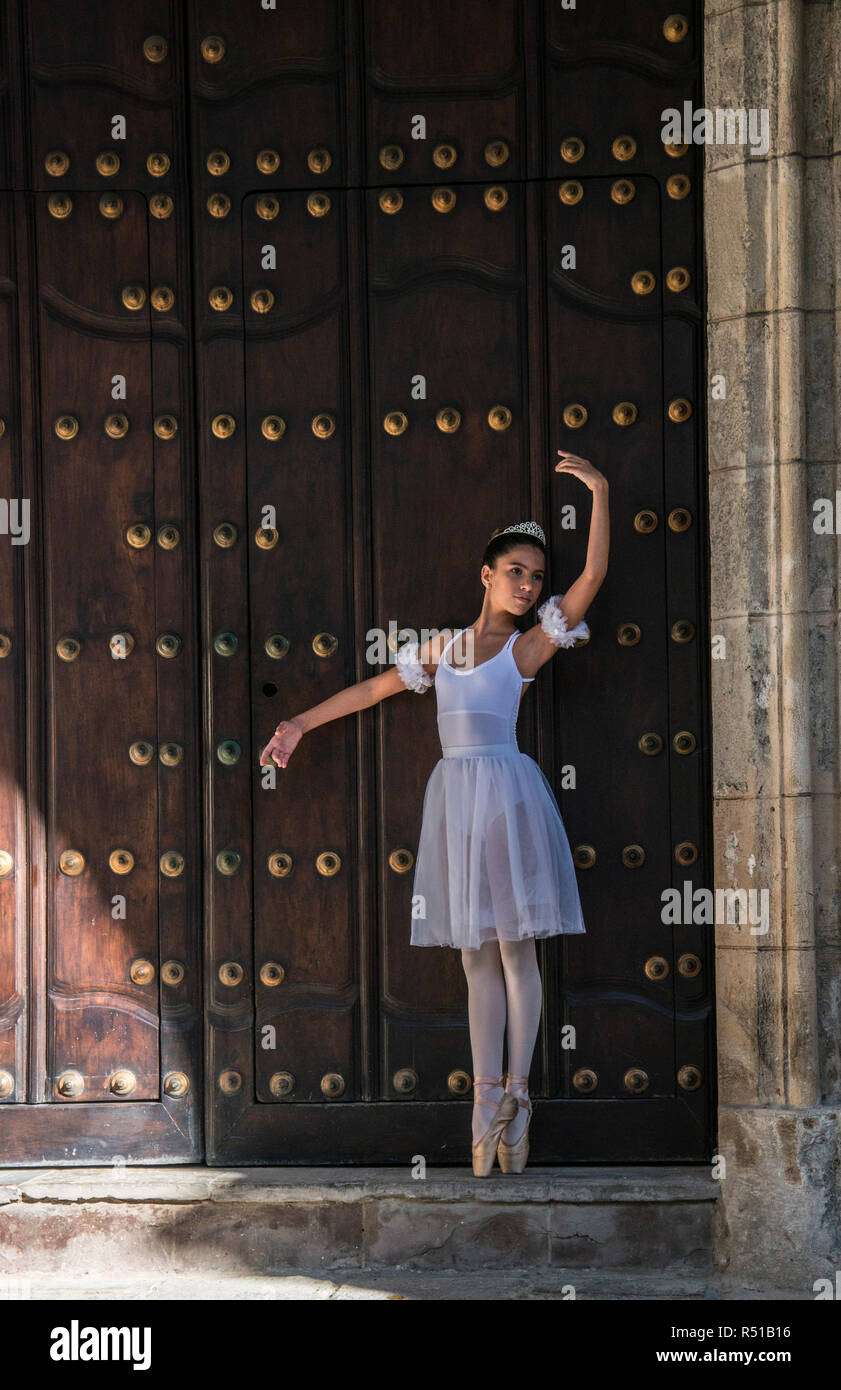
[493,856]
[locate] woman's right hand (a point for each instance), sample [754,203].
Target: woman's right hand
[284,740]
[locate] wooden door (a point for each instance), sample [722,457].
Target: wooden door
[412,349]
[409,254]
[101,998]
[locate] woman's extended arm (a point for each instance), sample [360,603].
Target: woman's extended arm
[564,612]
[354,697]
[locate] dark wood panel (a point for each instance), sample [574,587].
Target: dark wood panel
[100,595]
[604,343]
[610,72]
[148,1132]
[446,90]
[275,87]
[178,737]
[687,564]
[99,100]
[18,523]
[586,1130]
[296,369]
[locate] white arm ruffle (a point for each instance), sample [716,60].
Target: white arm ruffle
[554,624]
[410,669]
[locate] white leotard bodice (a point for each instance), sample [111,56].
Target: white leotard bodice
[477,706]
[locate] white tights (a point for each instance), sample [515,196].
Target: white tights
[500,974]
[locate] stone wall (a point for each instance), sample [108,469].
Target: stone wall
[773,268]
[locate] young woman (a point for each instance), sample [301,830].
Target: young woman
[494,869]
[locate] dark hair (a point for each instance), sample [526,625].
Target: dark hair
[501,543]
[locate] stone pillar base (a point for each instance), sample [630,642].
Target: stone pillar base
[783,1175]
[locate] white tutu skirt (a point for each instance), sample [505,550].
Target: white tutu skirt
[493,856]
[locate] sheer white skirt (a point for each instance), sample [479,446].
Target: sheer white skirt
[493,856]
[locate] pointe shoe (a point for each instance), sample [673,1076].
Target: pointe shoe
[484,1149]
[513,1157]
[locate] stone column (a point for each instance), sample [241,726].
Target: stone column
[773,267]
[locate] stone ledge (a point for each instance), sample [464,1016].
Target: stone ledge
[276,1221]
[171,1185]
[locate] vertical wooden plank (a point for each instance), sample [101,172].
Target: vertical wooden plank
[172,518]
[267,106]
[621,346]
[687,550]
[16,548]
[603,342]
[536,718]
[296,370]
[101,644]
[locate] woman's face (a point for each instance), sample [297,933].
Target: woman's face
[517,580]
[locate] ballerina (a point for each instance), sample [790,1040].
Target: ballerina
[494,869]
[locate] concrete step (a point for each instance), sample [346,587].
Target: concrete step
[200,1222]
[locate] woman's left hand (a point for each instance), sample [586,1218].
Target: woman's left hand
[581,468]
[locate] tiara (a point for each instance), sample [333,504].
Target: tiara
[530,528]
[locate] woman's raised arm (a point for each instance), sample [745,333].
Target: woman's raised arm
[562,614]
